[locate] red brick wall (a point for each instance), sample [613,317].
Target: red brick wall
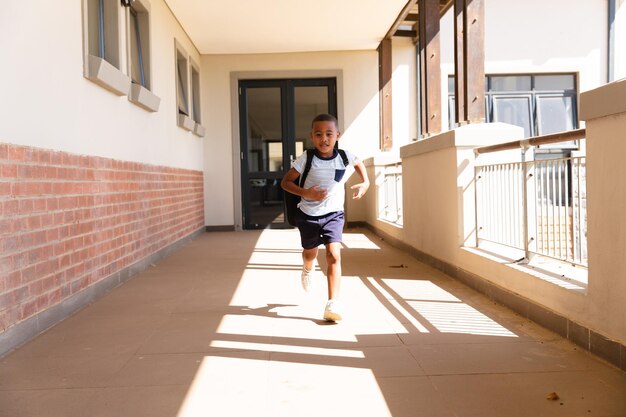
[68,221]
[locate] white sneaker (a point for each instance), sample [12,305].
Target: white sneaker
[307,279]
[332,311]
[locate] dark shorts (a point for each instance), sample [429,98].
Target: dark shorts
[317,230]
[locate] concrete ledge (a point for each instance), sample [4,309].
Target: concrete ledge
[603,101]
[106,75]
[469,136]
[143,97]
[199,130]
[185,122]
[606,349]
[16,336]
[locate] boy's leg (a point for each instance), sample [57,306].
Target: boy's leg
[332,312]
[333,273]
[308,258]
[308,264]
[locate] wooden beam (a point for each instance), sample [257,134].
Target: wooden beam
[460,91]
[430,61]
[401,18]
[384,93]
[469,61]
[406,33]
[445,5]
[475,55]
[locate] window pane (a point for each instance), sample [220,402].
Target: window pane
[451,111]
[554,82]
[195,95]
[514,110]
[93,19]
[451,84]
[265,138]
[309,102]
[181,73]
[555,114]
[510,83]
[110,26]
[135,48]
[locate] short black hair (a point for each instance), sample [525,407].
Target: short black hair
[325,117]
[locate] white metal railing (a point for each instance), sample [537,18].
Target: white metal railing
[538,206]
[390,194]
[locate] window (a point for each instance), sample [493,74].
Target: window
[196,114]
[138,47]
[182,89]
[188,92]
[541,104]
[101,45]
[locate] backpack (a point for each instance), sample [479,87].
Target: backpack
[291,200]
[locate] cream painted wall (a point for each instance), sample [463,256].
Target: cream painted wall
[439,211]
[605,112]
[357,101]
[403,92]
[606,194]
[46,102]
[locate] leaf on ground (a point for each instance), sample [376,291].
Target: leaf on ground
[553,396]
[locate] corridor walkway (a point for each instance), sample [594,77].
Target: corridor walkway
[222,328]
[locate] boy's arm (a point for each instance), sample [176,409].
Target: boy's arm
[288,184]
[361,188]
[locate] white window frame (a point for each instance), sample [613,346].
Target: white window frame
[195,99]
[138,29]
[101,45]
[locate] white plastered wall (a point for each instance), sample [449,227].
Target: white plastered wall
[357,97]
[46,102]
[404,100]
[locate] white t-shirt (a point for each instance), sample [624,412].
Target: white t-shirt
[330,174]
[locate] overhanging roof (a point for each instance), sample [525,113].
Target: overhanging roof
[277,26]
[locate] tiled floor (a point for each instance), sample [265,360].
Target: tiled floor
[222,328]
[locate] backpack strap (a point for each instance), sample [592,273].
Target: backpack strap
[344,157]
[307,167]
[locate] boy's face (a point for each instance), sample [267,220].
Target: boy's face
[324,136]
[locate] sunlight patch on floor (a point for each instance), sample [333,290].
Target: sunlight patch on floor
[410,289]
[316,390]
[227,387]
[232,386]
[358,241]
[458,318]
[396,304]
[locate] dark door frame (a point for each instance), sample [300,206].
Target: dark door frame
[287,88]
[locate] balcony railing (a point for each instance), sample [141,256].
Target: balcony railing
[390,194]
[538,206]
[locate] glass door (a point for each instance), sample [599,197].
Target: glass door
[275,120]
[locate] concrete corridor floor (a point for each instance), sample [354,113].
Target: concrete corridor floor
[223,328]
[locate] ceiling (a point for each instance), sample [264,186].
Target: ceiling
[275,26]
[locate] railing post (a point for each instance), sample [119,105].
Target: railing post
[478,194]
[530,209]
